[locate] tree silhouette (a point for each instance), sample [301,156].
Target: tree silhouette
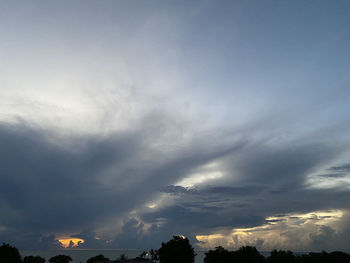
[122,257]
[281,256]
[60,259]
[245,254]
[176,250]
[219,255]
[9,254]
[32,259]
[154,255]
[339,257]
[248,254]
[143,254]
[98,258]
[324,257]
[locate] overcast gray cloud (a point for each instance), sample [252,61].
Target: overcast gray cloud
[124,123]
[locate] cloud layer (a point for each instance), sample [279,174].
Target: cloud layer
[124,130]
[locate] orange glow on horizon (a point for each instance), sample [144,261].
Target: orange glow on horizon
[272,233]
[65,242]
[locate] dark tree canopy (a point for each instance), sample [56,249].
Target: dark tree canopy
[9,254]
[60,259]
[248,254]
[176,250]
[281,256]
[242,255]
[143,254]
[122,257]
[154,255]
[219,255]
[251,255]
[98,258]
[324,257]
[33,259]
[179,250]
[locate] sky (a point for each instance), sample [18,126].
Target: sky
[123,123]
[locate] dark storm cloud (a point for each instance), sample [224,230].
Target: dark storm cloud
[335,175]
[90,240]
[45,188]
[122,100]
[264,181]
[52,188]
[27,239]
[343,168]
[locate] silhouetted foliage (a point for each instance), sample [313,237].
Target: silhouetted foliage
[339,257]
[219,255]
[122,257]
[324,257]
[9,254]
[143,254]
[96,259]
[34,259]
[251,255]
[179,250]
[242,255]
[60,259]
[154,255]
[248,254]
[176,250]
[281,256]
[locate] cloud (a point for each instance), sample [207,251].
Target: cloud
[118,190]
[342,168]
[89,186]
[53,187]
[127,129]
[301,232]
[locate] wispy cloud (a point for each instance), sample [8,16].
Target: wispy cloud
[124,123]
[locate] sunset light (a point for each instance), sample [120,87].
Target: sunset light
[279,231]
[70,242]
[126,123]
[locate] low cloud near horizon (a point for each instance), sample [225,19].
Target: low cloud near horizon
[124,130]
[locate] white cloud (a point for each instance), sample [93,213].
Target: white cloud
[294,231]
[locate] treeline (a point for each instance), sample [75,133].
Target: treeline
[179,250]
[249,254]
[9,254]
